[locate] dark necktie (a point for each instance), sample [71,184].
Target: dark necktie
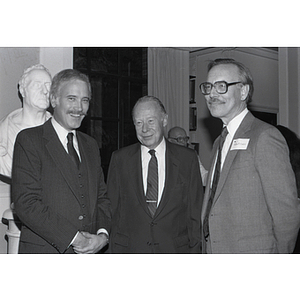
[72,151]
[152,183]
[214,182]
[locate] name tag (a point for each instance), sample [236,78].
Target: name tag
[240,144]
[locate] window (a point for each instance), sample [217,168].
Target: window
[118,77]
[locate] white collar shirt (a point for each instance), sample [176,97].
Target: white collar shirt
[232,127]
[160,153]
[62,135]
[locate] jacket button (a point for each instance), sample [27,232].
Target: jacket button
[80,218]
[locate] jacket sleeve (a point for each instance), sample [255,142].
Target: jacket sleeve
[279,186]
[103,202]
[195,199]
[113,184]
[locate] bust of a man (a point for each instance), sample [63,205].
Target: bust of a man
[34,86]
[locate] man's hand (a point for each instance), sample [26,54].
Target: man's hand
[86,243]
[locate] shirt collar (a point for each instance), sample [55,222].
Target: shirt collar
[61,131]
[159,150]
[234,124]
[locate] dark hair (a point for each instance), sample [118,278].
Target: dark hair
[64,76]
[244,73]
[150,98]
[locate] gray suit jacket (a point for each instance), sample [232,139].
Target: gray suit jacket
[255,208]
[46,193]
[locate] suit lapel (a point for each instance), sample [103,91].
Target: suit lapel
[240,133]
[209,178]
[136,176]
[59,156]
[172,167]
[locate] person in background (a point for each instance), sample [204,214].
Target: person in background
[250,203]
[34,87]
[155,189]
[293,143]
[178,136]
[58,186]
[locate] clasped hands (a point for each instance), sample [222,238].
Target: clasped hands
[87,243]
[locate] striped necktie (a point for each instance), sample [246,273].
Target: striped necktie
[152,183]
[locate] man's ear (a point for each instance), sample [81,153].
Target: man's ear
[165,120]
[244,92]
[53,101]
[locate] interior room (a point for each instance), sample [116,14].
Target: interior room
[121,75]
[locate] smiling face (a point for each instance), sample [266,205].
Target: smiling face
[226,106]
[149,122]
[36,89]
[71,104]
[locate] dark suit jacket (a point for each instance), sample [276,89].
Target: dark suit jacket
[255,207]
[175,227]
[45,190]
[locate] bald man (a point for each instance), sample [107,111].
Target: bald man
[177,135]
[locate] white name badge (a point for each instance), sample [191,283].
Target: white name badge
[240,144]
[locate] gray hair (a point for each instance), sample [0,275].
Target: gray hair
[147,99]
[244,73]
[67,75]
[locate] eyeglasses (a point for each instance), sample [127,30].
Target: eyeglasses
[220,86]
[180,139]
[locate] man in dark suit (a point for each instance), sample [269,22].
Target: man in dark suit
[58,187]
[156,195]
[253,206]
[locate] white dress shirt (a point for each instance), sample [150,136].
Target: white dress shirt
[232,127]
[160,153]
[62,135]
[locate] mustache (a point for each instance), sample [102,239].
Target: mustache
[214,100]
[74,112]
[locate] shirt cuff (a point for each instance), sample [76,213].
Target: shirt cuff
[73,239]
[102,230]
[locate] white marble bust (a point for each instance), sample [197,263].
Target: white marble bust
[34,86]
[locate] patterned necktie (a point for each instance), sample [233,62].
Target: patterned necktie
[152,183]
[214,182]
[72,151]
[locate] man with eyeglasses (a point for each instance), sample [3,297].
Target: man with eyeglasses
[250,204]
[177,135]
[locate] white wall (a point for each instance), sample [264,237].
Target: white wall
[56,59]
[13,61]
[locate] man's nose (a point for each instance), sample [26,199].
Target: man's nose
[145,127]
[213,92]
[78,106]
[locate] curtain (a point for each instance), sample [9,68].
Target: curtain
[168,80]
